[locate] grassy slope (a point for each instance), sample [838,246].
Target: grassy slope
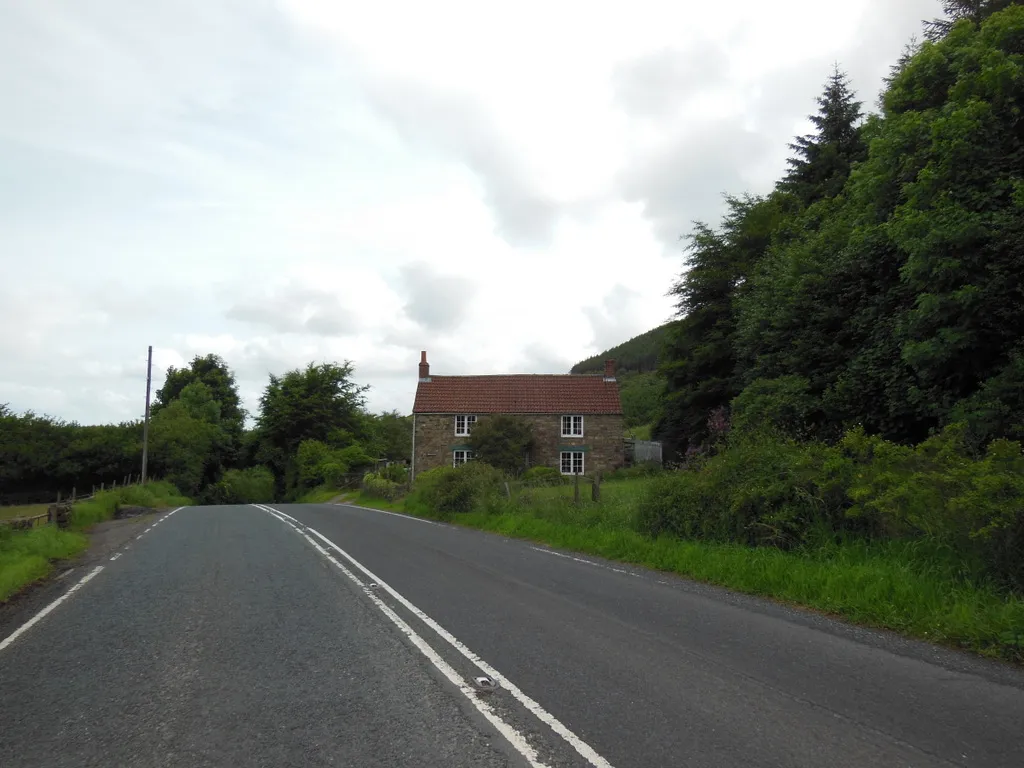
[27,556]
[897,585]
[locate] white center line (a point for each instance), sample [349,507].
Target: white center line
[43,613]
[581,747]
[115,556]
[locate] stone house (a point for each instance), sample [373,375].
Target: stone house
[576,419]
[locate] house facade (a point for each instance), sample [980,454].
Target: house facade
[576,419]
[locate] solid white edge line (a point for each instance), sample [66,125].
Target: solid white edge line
[581,747]
[510,732]
[43,613]
[396,514]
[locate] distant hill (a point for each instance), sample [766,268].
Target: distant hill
[638,355]
[636,363]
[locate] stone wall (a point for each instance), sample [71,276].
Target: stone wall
[602,442]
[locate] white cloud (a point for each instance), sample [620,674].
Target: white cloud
[502,185]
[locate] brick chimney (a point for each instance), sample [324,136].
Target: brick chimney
[424,367]
[609,370]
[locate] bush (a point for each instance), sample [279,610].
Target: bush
[381,487]
[396,473]
[538,477]
[759,490]
[503,442]
[642,469]
[768,490]
[445,491]
[241,486]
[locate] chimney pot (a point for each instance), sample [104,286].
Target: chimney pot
[609,370]
[424,367]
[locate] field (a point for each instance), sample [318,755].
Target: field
[25,510]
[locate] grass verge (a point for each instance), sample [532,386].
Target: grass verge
[27,556]
[906,586]
[319,495]
[103,505]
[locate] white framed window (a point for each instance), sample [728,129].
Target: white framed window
[461,457]
[572,462]
[572,426]
[464,424]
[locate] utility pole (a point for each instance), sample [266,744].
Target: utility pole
[145,426]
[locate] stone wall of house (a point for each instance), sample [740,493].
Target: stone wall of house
[602,442]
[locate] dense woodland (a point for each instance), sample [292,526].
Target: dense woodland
[880,282]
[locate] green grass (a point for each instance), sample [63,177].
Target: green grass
[26,556]
[641,432]
[25,510]
[156,495]
[318,495]
[909,587]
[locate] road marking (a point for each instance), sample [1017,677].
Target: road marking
[581,747]
[588,562]
[514,737]
[115,557]
[396,514]
[43,613]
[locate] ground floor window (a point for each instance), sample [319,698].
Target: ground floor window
[572,462]
[461,457]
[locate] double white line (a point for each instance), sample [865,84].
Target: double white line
[514,737]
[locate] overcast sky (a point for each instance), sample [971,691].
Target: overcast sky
[501,184]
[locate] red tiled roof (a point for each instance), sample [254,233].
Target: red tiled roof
[518,393]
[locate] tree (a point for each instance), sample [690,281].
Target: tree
[504,442]
[392,435]
[212,371]
[823,159]
[319,402]
[699,359]
[974,11]
[187,438]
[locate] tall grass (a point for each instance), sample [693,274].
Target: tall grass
[103,506]
[25,556]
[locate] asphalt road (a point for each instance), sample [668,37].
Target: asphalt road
[328,635]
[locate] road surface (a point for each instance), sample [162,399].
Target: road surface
[308,635]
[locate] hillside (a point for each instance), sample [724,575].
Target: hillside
[640,385]
[638,355]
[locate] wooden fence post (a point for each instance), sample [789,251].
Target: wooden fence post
[576,487]
[73,494]
[595,487]
[58,497]
[103,485]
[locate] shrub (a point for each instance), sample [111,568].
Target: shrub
[756,491]
[537,477]
[381,487]
[396,473]
[241,486]
[503,442]
[768,490]
[445,491]
[642,469]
